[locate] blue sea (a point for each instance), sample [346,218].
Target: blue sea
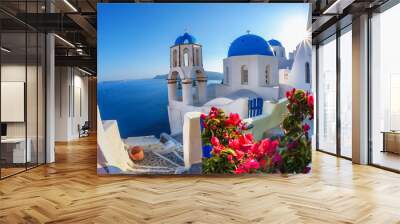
[139,106]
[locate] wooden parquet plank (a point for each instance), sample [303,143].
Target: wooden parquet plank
[70,191]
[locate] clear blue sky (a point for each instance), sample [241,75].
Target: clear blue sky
[134,39]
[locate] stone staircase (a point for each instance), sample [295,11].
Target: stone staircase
[161,156]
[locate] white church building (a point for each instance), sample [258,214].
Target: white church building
[253,69]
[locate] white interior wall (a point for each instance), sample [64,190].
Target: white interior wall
[33,127]
[71,102]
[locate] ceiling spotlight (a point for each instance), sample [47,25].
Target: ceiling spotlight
[79,51]
[5,50]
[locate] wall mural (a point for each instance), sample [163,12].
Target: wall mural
[204,88]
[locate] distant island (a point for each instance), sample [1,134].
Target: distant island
[210,76]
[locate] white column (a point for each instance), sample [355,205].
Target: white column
[192,151]
[171,89]
[202,87]
[187,92]
[360,90]
[314,91]
[50,95]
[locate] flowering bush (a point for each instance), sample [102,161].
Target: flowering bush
[223,128]
[297,154]
[235,152]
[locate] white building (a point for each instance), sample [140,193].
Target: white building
[254,68]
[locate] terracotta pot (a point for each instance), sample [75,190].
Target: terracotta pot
[136,153]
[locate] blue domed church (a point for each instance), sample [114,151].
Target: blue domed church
[253,69]
[251,65]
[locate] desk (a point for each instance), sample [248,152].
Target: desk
[18,149]
[391,141]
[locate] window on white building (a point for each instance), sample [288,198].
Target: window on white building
[267,74]
[186,57]
[175,58]
[244,75]
[197,56]
[307,72]
[226,81]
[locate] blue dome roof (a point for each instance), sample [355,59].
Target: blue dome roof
[185,39]
[274,42]
[250,44]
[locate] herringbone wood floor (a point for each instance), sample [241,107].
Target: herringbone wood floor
[69,191]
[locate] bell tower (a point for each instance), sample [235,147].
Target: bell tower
[186,63]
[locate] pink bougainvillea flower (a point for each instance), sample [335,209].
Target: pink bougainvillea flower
[217,149]
[269,146]
[226,135]
[306,127]
[214,141]
[310,100]
[293,145]
[234,144]
[246,142]
[250,137]
[239,154]
[243,126]
[234,119]
[263,163]
[230,158]
[274,144]
[240,170]
[257,151]
[205,125]
[291,94]
[265,144]
[214,112]
[203,116]
[251,164]
[288,94]
[277,158]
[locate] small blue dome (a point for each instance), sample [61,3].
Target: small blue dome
[274,42]
[185,39]
[250,44]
